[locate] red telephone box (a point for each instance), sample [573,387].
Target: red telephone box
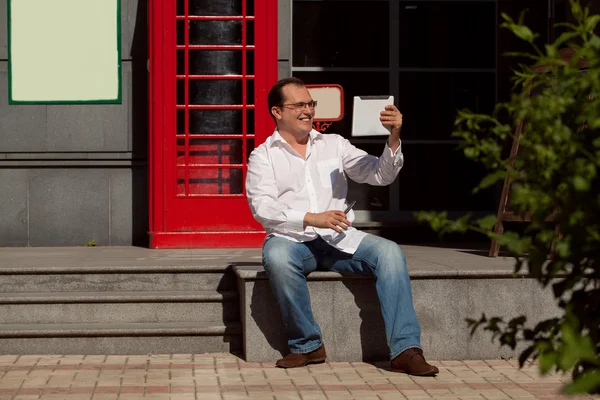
[212,63]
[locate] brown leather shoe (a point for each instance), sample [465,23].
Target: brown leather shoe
[412,362]
[295,360]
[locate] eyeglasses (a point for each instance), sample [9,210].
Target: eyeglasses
[300,106]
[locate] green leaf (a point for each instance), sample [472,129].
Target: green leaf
[438,221]
[488,222]
[563,248]
[576,10]
[581,184]
[575,347]
[591,22]
[523,32]
[460,225]
[547,361]
[491,179]
[569,354]
[507,18]
[586,382]
[514,242]
[471,152]
[576,217]
[551,51]
[519,54]
[594,42]
[565,36]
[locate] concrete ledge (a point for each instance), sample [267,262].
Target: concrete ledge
[99,259]
[117,297]
[253,273]
[348,311]
[125,281]
[123,329]
[110,269]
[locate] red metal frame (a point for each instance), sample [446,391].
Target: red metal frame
[182,215]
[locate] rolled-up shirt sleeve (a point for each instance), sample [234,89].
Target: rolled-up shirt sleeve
[261,190]
[362,167]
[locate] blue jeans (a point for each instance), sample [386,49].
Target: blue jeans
[287,263]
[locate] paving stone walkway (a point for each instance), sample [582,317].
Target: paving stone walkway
[227,377]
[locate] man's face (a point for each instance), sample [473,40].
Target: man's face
[296,114]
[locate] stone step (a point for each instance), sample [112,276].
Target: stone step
[196,328]
[119,297]
[118,307]
[115,278]
[121,338]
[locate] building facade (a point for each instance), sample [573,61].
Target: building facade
[71,174]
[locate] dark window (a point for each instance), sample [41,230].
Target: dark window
[436,57]
[536,18]
[372,198]
[440,177]
[429,100]
[447,34]
[341,34]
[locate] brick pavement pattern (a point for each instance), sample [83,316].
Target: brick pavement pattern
[227,377]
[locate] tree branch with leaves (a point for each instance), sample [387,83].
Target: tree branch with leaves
[555,188]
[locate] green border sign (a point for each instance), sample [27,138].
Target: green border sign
[64,51]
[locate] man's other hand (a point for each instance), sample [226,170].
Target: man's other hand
[391,117]
[335,220]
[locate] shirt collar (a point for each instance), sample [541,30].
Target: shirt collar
[278,138]
[315,135]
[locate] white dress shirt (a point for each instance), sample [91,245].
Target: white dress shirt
[282,186]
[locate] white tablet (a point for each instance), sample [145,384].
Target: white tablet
[365,118]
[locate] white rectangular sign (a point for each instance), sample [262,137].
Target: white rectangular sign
[64,51]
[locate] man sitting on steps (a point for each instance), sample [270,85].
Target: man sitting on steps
[296,187]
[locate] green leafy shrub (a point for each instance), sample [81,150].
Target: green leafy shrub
[556,184]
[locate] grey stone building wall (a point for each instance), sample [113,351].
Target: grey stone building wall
[284,48]
[70,174]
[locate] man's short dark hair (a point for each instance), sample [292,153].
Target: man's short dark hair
[275,97]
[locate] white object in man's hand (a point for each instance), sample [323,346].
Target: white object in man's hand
[366,115]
